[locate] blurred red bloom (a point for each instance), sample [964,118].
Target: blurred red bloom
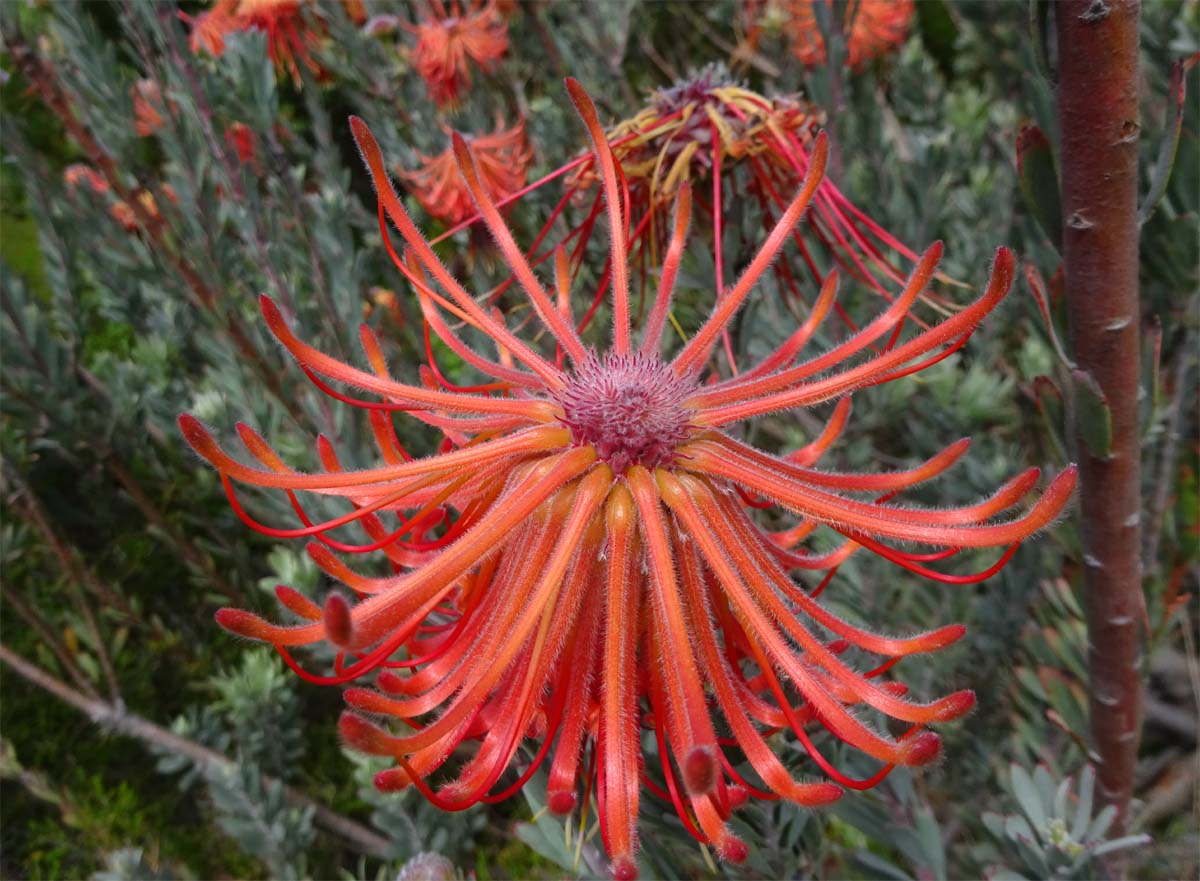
[450,39]
[125,215]
[240,138]
[873,28]
[119,210]
[74,175]
[290,31]
[503,158]
[147,107]
[582,558]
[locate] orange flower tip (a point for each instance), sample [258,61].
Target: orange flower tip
[251,438]
[361,699]
[920,750]
[960,446]
[699,770]
[838,646]
[389,681]
[243,623]
[360,734]
[738,795]
[818,794]
[1004,264]
[624,869]
[561,802]
[297,603]
[270,312]
[363,137]
[321,555]
[339,626]
[951,634]
[538,725]
[392,780]
[732,849]
[899,689]
[955,705]
[574,88]
[196,435]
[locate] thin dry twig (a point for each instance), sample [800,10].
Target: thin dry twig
[118,719]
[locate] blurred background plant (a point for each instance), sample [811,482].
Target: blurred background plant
[150,191]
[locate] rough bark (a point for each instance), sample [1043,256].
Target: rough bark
[1098,115]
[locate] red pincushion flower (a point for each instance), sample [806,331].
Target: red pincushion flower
[452,38]
[503,159]
[582,558]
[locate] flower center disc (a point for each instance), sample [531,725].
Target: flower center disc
[628,407]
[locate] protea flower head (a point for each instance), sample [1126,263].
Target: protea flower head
[502,157]
[583,560]
[873,28]
[452,37]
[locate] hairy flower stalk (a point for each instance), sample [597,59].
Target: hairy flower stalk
[583,561]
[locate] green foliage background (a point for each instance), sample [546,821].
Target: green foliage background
[117,544]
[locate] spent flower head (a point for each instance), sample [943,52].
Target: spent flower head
[583,558]
[729,142]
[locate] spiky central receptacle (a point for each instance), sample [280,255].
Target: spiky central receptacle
[629,408]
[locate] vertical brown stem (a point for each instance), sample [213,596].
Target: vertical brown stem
[1098,114]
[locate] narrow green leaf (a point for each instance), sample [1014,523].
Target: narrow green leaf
[1083,810]
[1039,31]
[1092,414]
[1038,179]
[930,836]
[1101,824]
[994,823]
[1121,844]
[1037,286]
[939,34]
[1027,796]
[1160,175]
